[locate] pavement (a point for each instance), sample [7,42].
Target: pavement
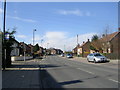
[22,74]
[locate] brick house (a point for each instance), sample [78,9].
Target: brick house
[59,51]
[84,49]
[15,48]
[75,51]
[41,51]
[31,48]
[111,44]
[53,51]
[26,48]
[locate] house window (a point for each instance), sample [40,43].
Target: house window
[109,50]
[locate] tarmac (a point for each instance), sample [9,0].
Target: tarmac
[22,74]
[26,74]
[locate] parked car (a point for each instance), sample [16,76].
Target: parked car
[62,55]
[69,56]
[96,57]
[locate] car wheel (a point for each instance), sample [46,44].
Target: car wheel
[94,61]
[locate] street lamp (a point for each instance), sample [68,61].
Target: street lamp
[4,49]
[34,35]
[33,40]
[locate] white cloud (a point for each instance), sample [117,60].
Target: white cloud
[22,19]
[71,12]
[76,12]
[59,39]
[21,36]
[54,35]
[1,11]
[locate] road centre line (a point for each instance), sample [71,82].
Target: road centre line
[114,80]
[86,71]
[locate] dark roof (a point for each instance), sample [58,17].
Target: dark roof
[77,46]
[109,37]
[15,40]
[84,43]
[30,45]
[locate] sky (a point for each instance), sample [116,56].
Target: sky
[58,23]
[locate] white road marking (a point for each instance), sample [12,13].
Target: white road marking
[114,80]
[86,71]
[22,68]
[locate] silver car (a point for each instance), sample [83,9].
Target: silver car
[69,56]
[62,55]
[96,57]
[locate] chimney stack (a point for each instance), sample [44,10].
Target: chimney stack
[88,40]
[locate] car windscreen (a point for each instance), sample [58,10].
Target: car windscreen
[97,54]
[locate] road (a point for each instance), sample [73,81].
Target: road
[59,72]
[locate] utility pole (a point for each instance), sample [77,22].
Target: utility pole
[77,44]
[33,40]
[64,48]
[4,44]
[34,35]
[77,39]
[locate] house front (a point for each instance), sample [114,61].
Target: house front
[111,45]
[84,49]
[41,51]
[15,48]
[75,50]
[31,48]
[25,48]
[53,51]
[59,51]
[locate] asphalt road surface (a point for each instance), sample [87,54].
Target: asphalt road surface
[59,72]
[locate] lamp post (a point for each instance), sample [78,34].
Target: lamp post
[33,40]
[34,35]
[4,48]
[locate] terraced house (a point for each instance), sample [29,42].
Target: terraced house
[111,45]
